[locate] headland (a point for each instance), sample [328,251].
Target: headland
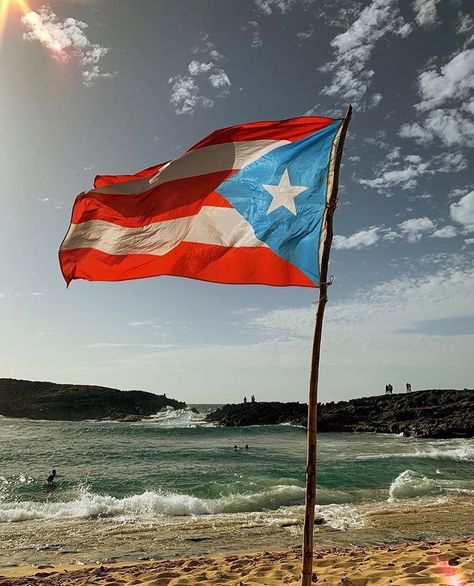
[435,413]
[67,402]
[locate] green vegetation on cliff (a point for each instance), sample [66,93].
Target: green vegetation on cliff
[437,413]
[44,400]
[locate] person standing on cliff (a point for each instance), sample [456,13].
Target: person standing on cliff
[245,400]
[408,386]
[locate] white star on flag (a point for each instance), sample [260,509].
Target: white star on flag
[283,194]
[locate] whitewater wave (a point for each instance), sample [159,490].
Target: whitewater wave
[410,484]
[177,418]
[150,505]
[461,451]
[341,517]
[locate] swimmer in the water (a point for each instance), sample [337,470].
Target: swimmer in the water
[51,477]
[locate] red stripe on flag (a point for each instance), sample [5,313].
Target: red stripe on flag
[176,199]
[104,180]
[292,130]
[216,264]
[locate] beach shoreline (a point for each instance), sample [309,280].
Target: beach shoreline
[427,562]
[410,545]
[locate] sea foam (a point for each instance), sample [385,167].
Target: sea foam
[410,484]
[149,505]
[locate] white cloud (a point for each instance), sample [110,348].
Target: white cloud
[283,6]
[469,241]
[459,192]
[67,40]
[466,27]
[394,154]
[219,79]
[451,127]
[253,29]
[449,162]
[137,324]
[49,201]
[414,228]
[446,103]
[354,47]
[405,178]
[405,172]
[304,35]
[445,232]
[391,236]
[185,96]
[426,13]
[245,311]
[455,80]
[187,91]
[358,240]
[463,212]
[197,67]
[375,334]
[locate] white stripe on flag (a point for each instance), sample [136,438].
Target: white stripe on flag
[212,225]
[210,159]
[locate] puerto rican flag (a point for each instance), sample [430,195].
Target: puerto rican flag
[246,205]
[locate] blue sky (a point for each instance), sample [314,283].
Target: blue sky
[117,86]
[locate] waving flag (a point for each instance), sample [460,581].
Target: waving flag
[245,205]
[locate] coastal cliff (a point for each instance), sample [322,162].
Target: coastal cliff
[45,400]
[436,413]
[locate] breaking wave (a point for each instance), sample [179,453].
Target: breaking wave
[177,418]
[150,505]
[410,484]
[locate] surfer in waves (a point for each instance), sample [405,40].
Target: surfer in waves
[51,478]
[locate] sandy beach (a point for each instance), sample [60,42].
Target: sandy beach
[449,562]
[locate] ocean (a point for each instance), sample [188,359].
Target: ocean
[174,485]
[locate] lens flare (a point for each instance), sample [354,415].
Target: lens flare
[4,6]
[34,21]
[449,572]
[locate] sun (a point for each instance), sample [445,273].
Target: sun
[5,6]
[34,21]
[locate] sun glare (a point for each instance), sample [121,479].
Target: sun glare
[33,20]
[4,5]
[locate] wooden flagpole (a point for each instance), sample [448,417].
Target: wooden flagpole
[325,248]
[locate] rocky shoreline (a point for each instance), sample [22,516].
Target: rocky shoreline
[65,402]
[435,413]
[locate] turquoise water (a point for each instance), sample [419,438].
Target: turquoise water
[175,465]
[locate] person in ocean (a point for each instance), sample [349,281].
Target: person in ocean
[51,477]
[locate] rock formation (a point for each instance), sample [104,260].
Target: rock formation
[436,413]
[44,400]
